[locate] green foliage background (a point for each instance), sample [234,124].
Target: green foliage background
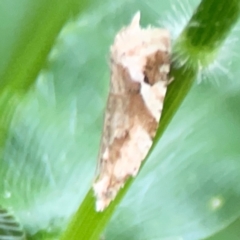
[51,119]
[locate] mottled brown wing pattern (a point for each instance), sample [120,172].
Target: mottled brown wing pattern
[139,69]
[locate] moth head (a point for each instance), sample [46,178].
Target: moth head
[135,48]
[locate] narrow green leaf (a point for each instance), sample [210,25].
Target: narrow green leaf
[40,25]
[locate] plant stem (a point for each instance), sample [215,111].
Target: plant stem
[41,25]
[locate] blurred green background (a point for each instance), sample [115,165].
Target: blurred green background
[51,126]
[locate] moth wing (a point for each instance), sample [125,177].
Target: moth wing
[116,126]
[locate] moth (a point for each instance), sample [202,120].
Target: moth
[140,63]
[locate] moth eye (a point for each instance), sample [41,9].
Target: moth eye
[146,80]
